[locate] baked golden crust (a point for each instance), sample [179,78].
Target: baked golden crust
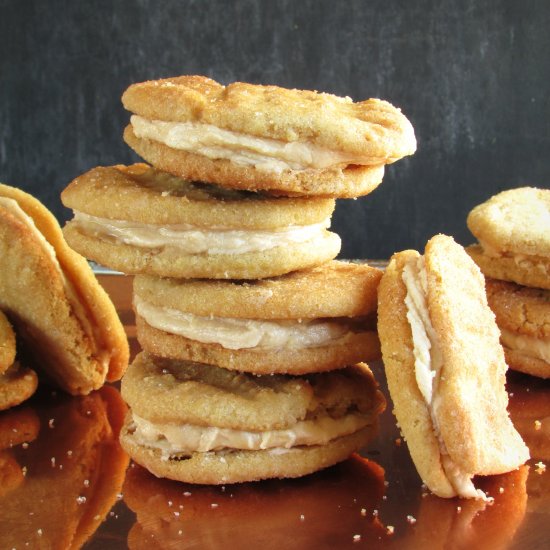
[372,128]
[515,221]
[333,289]
[351,348]
[471,401]
[70,353]
[520,309]
[7,344]
[342,181]
[17,384]
[533,271]
[167,391]
[216,468]
[142,194]
[170,261]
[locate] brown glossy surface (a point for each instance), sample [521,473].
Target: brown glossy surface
[56,449]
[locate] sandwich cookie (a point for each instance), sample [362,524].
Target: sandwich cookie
[513,230]
[445,368]
[307,321]
[245,136]
[60,312]
[17,383]
[523,317]
[201,424]
[139,220]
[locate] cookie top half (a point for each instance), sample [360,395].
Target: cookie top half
[515,221]
[371,132]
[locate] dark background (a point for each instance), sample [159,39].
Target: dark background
[472,76]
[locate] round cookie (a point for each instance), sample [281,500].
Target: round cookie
[307,321]
[513,230]
[523,316]
[445,368]
[137,219]
[201,424]
[17,384]
[249,136]
[62,315]
[7,344]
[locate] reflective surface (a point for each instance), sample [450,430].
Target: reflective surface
[63,485]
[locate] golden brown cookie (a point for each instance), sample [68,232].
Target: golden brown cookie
[137,219]
[202,424]
[62,315]
[523,317]
[247,136]
[307,321]
[446,369]
[7,344]
[17,384]
[513,230]
[73,473]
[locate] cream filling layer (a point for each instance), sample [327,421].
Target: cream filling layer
[101,353]
[177,438]
[528,345]
[241,333]
[428,364]
[266,154]
[194,240]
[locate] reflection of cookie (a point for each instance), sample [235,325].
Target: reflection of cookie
[264,137]
[513,229]
[202,424]
[523,316]
[446,369]
[307,321]
[139,220]
[323,510]
[51,296]
[74,470]
[7,344]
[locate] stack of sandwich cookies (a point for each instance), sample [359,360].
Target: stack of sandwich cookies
[307,321]
[244,136]
[513,230]
[445,368]
[227,236]
[137,219]
[65,319]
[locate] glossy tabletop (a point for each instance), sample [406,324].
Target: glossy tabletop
[65,483]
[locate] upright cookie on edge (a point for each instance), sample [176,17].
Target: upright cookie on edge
[307,321]
[513,230]
[202,424]
[51,296]
[446,369]
[137,219]
[247,136]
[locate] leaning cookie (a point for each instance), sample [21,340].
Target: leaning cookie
[446,369]
[202,424]
[513,230]
[63,316]
[136,219]
[523,317]
[307,321]
[7,344]
[245,136]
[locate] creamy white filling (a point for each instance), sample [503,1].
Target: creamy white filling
[241,333]
[263,153]
[101,354]
[528,345]
[178,438]
[428,365]
[194,240]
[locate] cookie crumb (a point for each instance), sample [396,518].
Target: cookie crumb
[302,517]
[186,494]
[81,499]
[51,422]
[501,490]
[214,505]
[398,442]
[52,460]
[540,467]
[25,445]
[375,513]
[458,509]
[538,425]
[363,512]
[356,538]
[411,519]
[390,529]
[39,532]
[86,483]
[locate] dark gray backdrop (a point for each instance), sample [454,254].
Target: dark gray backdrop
[473,77]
